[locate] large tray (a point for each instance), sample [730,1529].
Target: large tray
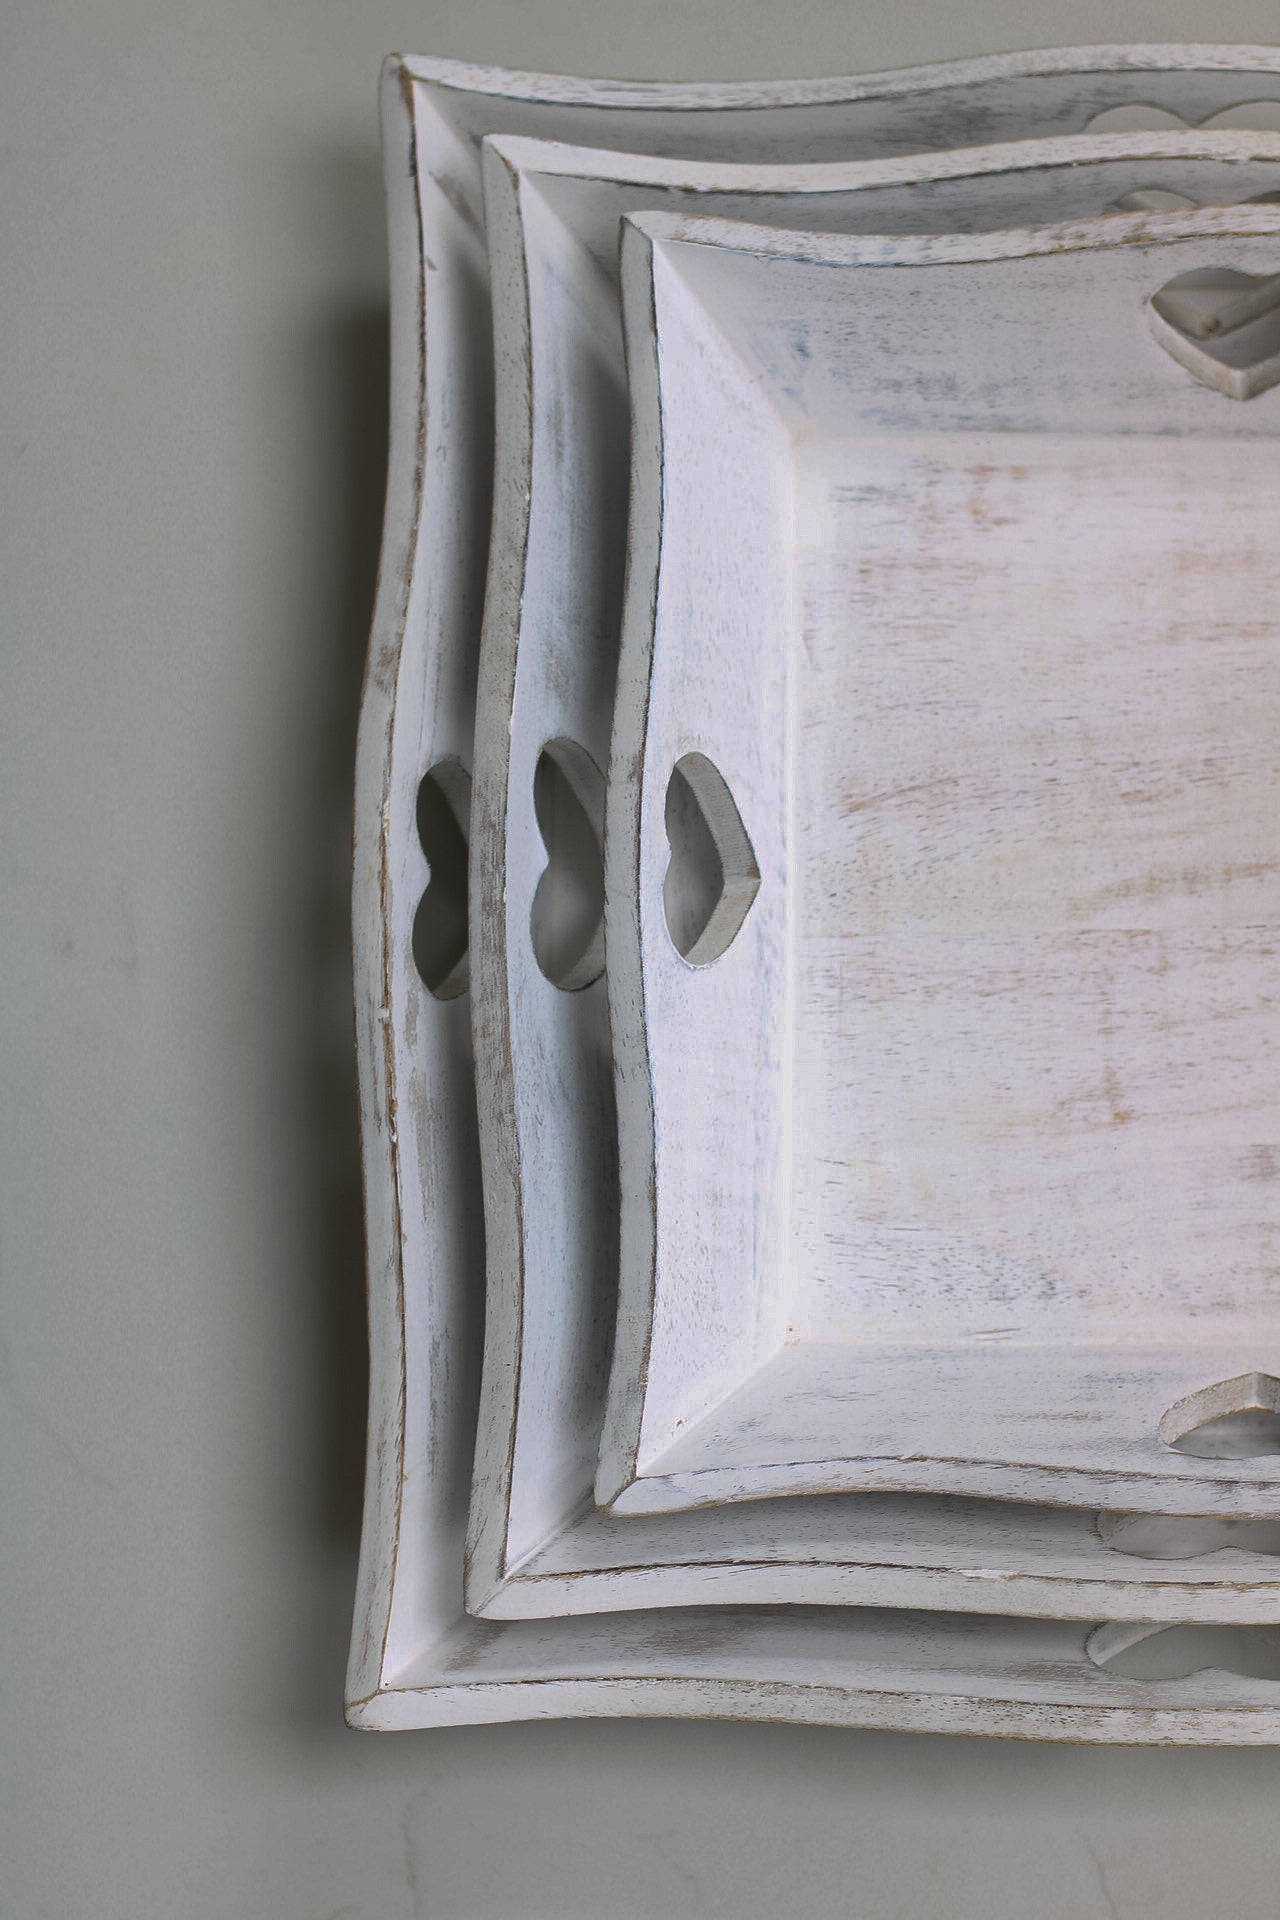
[851,1667]
[948,1098]
[420,1152]
[548,660]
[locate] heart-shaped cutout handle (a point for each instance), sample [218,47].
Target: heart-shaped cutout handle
[440,951]
[712,877]
[1140,116]
[1140,1652]
[1174,1536]
[1235,1419]
[567,926]
[1223,326]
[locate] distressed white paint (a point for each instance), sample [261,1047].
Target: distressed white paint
[959,1168]
[420,1153]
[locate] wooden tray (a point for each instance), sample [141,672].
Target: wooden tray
[904,1550]
[850,1667]
[547,670]
[420,1151]
[946,1069]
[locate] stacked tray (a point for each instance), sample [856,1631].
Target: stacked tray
[813,903]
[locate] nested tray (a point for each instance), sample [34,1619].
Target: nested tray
[907,1550]
[420,1155]
[851,1667]
[548,662]
[947,723]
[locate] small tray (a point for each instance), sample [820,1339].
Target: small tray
[420,1152]
[942,891]
[548,659]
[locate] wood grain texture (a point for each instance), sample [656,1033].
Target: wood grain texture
[1014,944]
[420,1151]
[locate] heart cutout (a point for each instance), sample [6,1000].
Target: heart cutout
[1139,1652]
[440,951]
[1154,200]
[1166,1536]
[1136,116]
[1235,1419]
[567,925]
[712,877]
[1223,327]
[1168,200]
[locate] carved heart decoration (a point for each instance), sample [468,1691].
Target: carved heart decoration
[568,907]
[1171,1536]
[1167,200]
[712,877]
[1246,116]
[440,950]
[1223,327]
[1235,1419]
[1140,1652]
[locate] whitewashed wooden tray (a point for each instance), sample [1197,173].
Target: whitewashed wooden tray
[850,1667]
[951,1165]
[548,660]
[420,1149]
[910,1551]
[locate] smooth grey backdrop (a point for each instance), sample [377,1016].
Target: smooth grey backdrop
[193,310]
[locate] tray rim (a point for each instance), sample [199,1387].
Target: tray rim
[1099,57]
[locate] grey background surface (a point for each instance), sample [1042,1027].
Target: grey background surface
[193,307]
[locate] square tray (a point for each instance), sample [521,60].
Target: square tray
[420,1152]
[950,660]
[543,1060]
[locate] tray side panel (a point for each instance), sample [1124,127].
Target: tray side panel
[704,671]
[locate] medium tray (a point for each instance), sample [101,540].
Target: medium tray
[946,1067]
[547,671]
[905,1550]
[420,1153]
